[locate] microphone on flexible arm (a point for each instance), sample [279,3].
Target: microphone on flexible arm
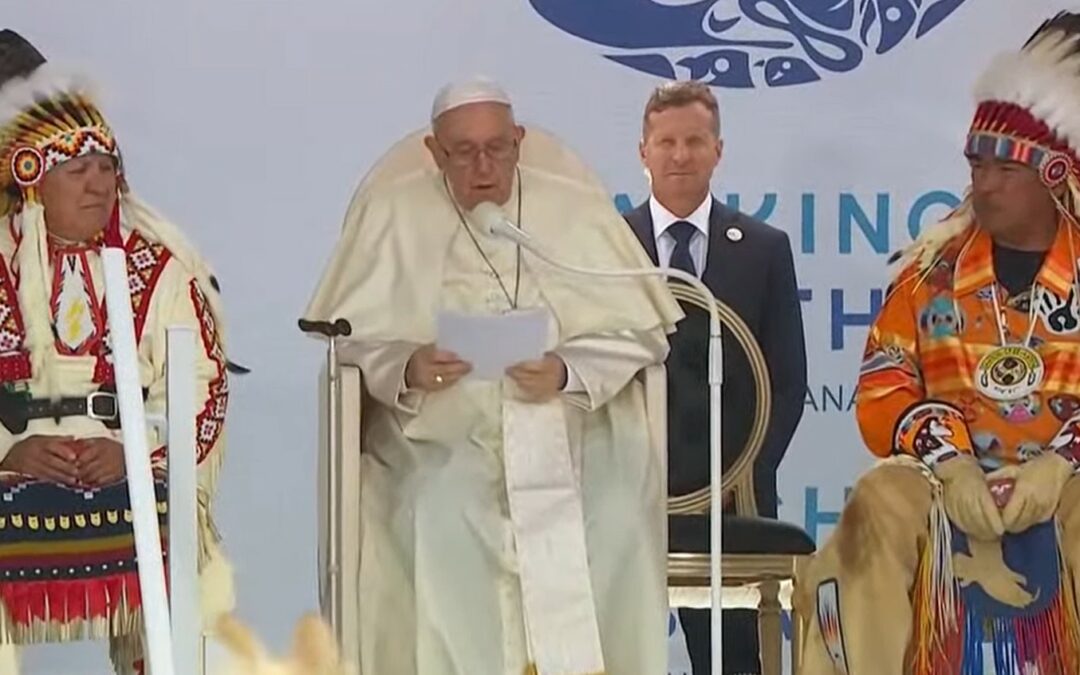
[493,221]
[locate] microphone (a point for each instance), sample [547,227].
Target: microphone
[494,222]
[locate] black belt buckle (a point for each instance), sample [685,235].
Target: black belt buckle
[102,406]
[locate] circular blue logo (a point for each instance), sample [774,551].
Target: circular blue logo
[745,43]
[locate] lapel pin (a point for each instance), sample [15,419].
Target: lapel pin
[734,234]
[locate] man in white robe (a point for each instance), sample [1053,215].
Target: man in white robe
[512,525]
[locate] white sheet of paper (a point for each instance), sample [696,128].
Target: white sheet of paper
[493,343]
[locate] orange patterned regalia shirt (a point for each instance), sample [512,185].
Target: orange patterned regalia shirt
[924,351]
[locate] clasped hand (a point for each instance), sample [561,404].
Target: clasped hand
[91,462]
[1036,489]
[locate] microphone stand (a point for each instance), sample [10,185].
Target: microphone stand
[506,230]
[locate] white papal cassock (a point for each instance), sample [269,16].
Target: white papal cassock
[496,534]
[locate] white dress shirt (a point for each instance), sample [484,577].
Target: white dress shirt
[665,242]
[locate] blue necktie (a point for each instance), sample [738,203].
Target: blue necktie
[681,259]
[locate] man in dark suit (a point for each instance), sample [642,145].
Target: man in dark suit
[748,265]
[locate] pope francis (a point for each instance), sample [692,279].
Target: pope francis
[513,524]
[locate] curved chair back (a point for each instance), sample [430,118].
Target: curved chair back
[739,478]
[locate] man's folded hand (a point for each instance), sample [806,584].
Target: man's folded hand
[968,501]
[1035,496]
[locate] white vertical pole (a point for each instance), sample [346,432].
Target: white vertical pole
[155,602]
[716,502]
[183,500]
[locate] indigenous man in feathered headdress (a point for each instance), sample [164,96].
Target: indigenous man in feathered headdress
[970,534]
[67,553]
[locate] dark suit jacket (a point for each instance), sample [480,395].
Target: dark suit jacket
[755,276]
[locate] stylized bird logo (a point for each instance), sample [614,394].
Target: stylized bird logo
[745,43]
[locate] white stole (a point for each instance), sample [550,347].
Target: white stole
[548,519]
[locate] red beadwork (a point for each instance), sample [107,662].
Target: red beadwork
[146,262]
[1012,120]
[28,166]
[211,420]
[1055,169]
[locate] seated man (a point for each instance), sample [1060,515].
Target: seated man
[510,523]
[67,551]
[970,379]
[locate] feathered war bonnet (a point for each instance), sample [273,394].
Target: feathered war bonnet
[47,118]
[1027,111]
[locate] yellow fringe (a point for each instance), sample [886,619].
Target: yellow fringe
[124,651]
[208,472]
[124,621]
[934,595]
[1068,598]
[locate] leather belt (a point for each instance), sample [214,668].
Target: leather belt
[17,411]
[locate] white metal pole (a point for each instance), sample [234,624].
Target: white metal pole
[183,537]
[155,602]
[716,506]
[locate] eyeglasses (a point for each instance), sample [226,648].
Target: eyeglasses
[465,156]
